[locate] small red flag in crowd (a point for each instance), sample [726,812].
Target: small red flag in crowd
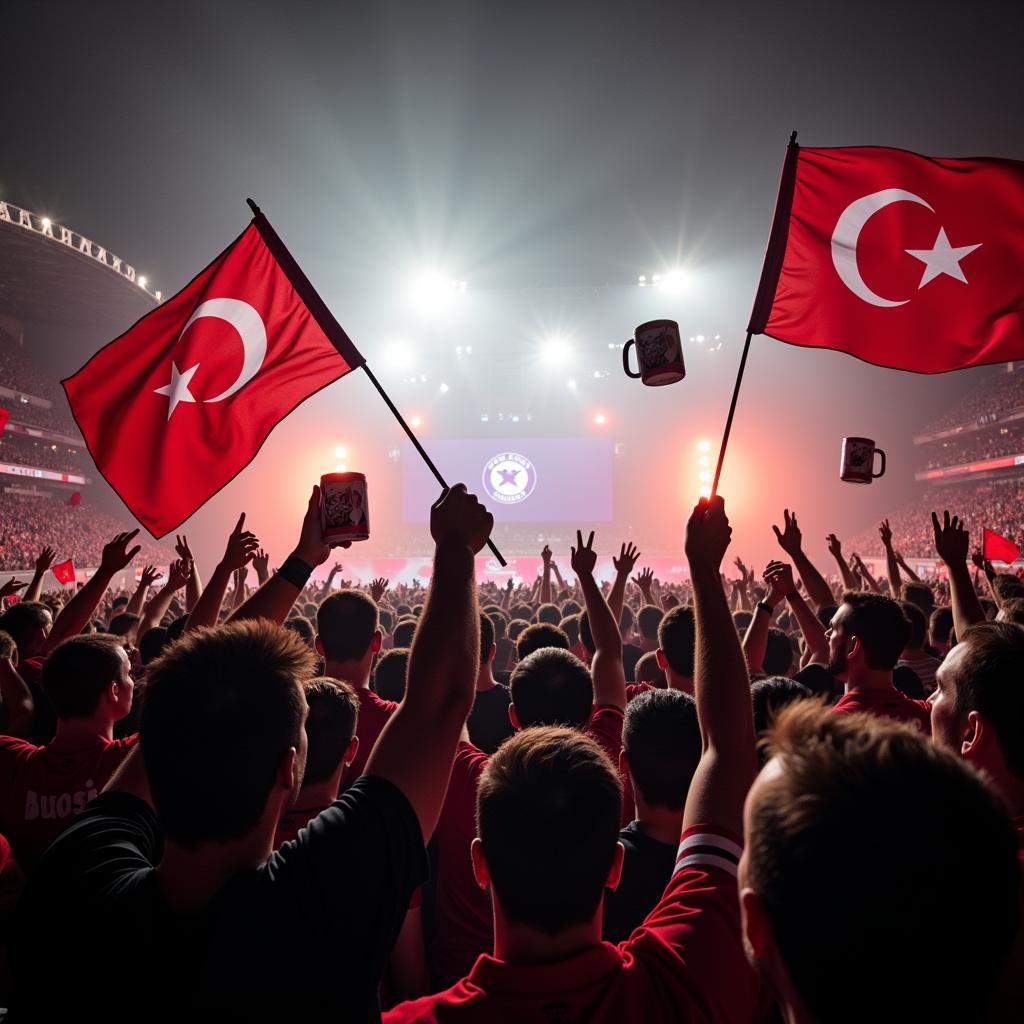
[997,548]
[902,260]
[5,415]
[65,572]
[181,402]
[76,499]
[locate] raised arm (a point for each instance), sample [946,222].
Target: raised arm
[606,669]
[791,541]
[177,577]
[275,598]
[241,548]
[17,701]
[779,576]
[194,586]
[562,589]
[138,600]
[906,568]
[953,542]
[238,593]
[865,574]
[79,610]
[628,555]
[545,579]
[329,582]
[506,595]
[443,663]
[892,566]
[644,581]
[43,563]
[746,581]
[721,685]
[835,549]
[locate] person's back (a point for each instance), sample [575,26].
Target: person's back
[489,725]
[87,682]
[225,704]
[914,655]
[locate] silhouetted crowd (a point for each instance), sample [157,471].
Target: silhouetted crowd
[798,795]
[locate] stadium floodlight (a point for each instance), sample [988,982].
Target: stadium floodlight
[416,421]
[600,419]
[46,223]
[571,385]
[159,296]
[340,452]
[484,418]
[399,356]
[469,348]
[434,292]
[704,460]
[555,350]
[673,282]
[704,476]
[704,446]
[642,280]
[444,388]
[142,282]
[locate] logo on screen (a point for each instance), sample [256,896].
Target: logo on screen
[509,478]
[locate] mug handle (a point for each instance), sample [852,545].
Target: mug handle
[881,472]
[625,359]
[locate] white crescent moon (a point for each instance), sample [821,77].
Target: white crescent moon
[848,228]
[251,330]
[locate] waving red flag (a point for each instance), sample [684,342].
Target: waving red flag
[181,402]
[901,260]
[997,548]
[64,571]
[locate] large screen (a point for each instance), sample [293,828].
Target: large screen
[531,480]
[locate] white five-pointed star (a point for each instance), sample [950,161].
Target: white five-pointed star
[177,391]
[942,258]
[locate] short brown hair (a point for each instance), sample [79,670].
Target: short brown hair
[222,707]
[922,834]
[330,726]
[538,635]
[881,626]
[548,807]
[345,623]
[78,671]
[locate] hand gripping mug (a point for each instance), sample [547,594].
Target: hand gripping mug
[659,353]
[344,513]
[857,463]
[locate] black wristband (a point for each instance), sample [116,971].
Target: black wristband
[766,606]
[295,571]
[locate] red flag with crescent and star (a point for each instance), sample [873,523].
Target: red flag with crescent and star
[181,402]
[64,571]
[905,261]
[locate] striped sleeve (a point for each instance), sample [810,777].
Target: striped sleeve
[706,849]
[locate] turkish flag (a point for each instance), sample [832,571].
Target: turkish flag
[65,572]
[997,548]
[181,402]
[901,260]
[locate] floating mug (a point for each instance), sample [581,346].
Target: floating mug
[659,353]
[858,460]
[344,513]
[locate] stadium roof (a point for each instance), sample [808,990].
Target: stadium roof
[51,274]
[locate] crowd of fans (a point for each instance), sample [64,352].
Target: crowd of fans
[29,522]
[999,505]
[24,450]
[996,395]
[466,802]
[19,371]
[975,446]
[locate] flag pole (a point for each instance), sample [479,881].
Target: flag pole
[770,271]
[416,444]
[337,336]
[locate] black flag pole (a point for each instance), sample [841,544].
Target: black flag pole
[337,336]
[770,271]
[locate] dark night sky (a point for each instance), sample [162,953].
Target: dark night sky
[526,143]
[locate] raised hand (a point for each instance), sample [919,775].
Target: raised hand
[510,585]
[312,548]
[790,538]
[150,574]
[779,577]
[45,559]
[644,580]
[628,554]
[708,534]
[116,554]
[546,554]
[458,519]
[261,563]
[835,547]
[584,557]
[952,541]
[885,533]
[10,587]
[182,549]
[242,546]
[978,558]
[377,588]
[179,573]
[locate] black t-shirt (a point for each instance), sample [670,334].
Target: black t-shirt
[310,930]
[488,723]
[646,870]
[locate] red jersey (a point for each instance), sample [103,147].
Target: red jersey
[464,927]
[635,689]
[888,704]
[684,963]
[45,787]
[374,713]
[605,728]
